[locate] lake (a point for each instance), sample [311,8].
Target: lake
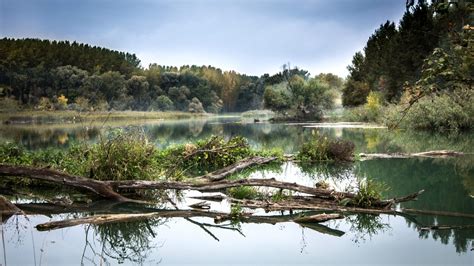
[356,239]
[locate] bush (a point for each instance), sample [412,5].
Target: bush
[124,157]
[445,112]
[205,155]
[162,103]
[372,111]
[321,148]
[368,192]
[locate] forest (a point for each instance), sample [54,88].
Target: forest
[106,161]
[421,70]
[59,75]
[404,72]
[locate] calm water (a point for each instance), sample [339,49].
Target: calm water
[357,239]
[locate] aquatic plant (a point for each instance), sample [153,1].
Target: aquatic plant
[204,155]
[322,148]
[243,192]
[368,192]
[124,156]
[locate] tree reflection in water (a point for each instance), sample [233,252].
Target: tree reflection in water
[126,241]
[366,226]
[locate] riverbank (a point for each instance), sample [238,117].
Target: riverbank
[70,117]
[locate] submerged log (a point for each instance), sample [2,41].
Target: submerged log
[45,174]
[318,218]
[426,154]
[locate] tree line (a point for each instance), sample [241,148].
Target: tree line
[396,57]
[47,75]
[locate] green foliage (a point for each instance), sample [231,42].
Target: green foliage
[236,211]
[280,195]
[14,154]
[368,192]
[129,156]
[446,112]
[372,111]
[75,160]
[162,103]
[243,192]
[205,155]
[124,156]
[322,148]
[195,106]
[396,55]
[299,97]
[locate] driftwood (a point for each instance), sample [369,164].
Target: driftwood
[438,213]
[322,199]
[45,174]
[224,184]
[105,190]
[8,208]
[186,214]
[446,227]
[238,166]
[318,218]
[426,154]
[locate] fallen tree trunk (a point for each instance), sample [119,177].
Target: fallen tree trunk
[438,213]
[106,188]
[6,207]
[123,217]
[238,166]
[426,154]
[45,174]
[313,204]
[446,227]
[224,184]
[318,218]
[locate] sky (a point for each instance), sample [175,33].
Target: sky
[249,36]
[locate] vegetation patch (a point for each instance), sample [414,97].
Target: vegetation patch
[243,192]
[322,148]
[368,192]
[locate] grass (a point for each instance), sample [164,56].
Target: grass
[322,148]
[130,156]
[368,192]
[243,192]
[52,117]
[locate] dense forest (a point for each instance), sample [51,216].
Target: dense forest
[420,71]
[51,75]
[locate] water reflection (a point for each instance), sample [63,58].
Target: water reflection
[448,184]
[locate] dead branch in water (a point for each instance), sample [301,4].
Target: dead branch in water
[236,167]
[49,175]
[426,154]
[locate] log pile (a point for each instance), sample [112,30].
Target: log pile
[329,204]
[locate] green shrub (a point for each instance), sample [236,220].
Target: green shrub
[371,111]
[445,112]
[11,153]
[124,157]
[205,155]
[368,192]
[322,148]
[280,195]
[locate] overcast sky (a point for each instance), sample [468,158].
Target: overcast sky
[249,36]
